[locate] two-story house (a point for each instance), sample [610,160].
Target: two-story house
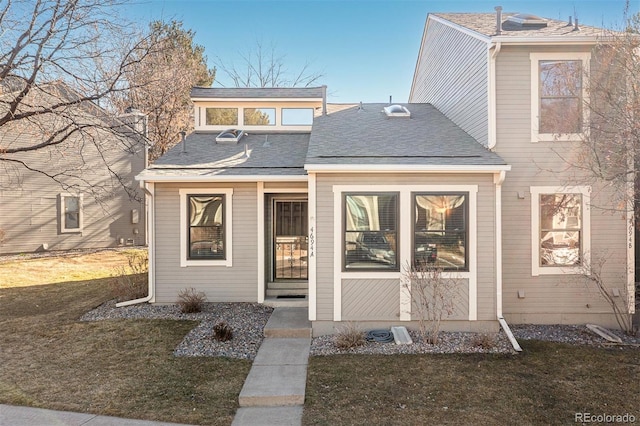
[278,197]
[71,194]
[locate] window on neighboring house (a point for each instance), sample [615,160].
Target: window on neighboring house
[440,231]
[222,116]
[561,237]
[558,95]
[259,116]
[206,226]
[70,213]
[370,231]
[297,116]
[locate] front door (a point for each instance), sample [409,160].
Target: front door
[290,240]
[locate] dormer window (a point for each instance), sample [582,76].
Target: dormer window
[229,136]
[259,116]
[396,110]
[222,116]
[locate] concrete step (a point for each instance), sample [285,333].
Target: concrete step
[280,416]
[274,302]
[278,375]
[276,285]
[287,292]
[288,322]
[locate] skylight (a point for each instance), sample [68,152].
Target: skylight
[396,110]
[527,20]
[229,136]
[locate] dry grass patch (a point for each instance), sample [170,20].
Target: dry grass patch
[60,269]
[547,384]
[121,368]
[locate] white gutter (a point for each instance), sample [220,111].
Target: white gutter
[492,95]
[281,99]
[551,40]
[150,190]
[149,177]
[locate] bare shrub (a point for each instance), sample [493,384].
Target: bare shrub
[433,297]
[222,332]
[3,235]
[620,306]
[349,336]
[131,281]
[483,340]
[191,301]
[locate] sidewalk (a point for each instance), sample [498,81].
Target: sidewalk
[11,415]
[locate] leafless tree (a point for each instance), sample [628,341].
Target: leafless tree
[265,66]
[161,83]
[60,63]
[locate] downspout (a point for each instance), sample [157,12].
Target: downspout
[494,49]
[149,191]
[498,179]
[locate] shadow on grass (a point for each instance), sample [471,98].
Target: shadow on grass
[121,367]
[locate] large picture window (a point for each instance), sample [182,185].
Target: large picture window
[370,231]
[206,236]
[560,230]
[259,116]
[440,231]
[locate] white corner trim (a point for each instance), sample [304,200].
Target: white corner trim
[312,248]
[261,240]
[473,254]
[536,268]
[63,229]
[337,255]
[535,57]
[228,227]
[492,131]
[497,180]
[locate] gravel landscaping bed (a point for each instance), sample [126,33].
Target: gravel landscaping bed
[247,320]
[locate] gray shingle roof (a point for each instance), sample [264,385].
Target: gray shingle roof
[269,154]
[367,136]
[485,24]
[253,92]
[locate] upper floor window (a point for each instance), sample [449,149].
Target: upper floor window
[70,213]
[297,116]
[558,95]
[222,116]
[259,116]
[370,231]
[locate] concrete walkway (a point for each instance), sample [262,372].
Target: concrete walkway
[273,393]
[11,415]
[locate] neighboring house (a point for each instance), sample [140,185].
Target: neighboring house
[68,196]
[277,194]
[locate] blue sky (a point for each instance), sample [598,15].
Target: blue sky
[366,50]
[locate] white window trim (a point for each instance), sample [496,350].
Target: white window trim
[536,269]
[535,58]
[63,229]
[228,226]
[405,250]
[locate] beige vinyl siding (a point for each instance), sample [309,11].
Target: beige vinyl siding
[486,284]
[274,186]
[460,296]
[456,84]
[237,283]
[30,204]
[370,300]
[554,297]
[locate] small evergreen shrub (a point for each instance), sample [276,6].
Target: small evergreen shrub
[222,332]
[191,301]
[348,337]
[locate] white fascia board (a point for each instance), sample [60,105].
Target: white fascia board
[257,99]
[460,28]
[403,168]
[225,178]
